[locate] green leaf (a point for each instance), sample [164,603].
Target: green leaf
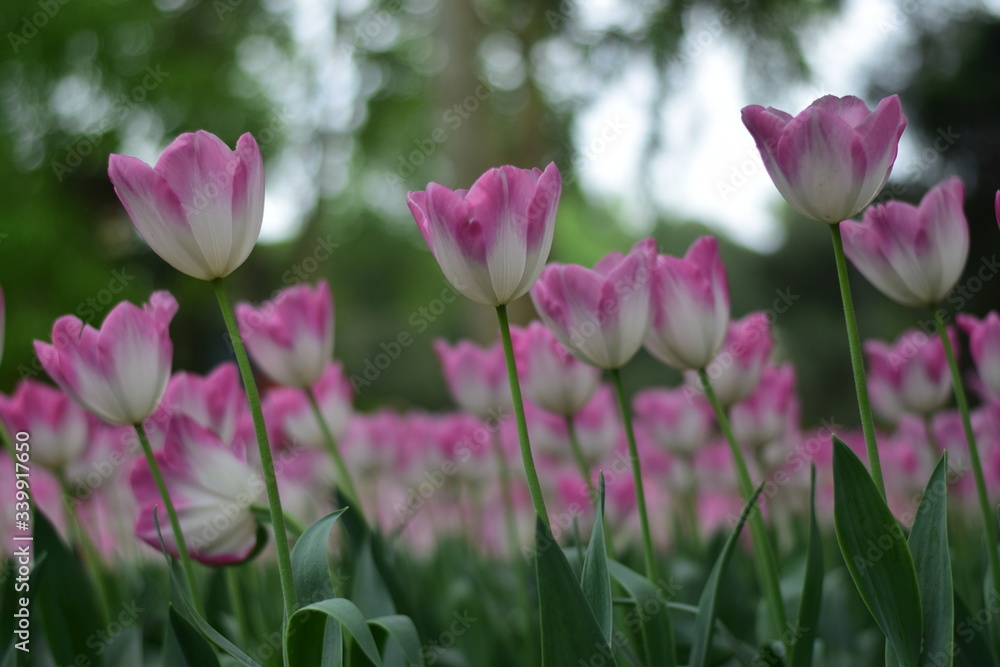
[311,562]
[188,611]
[812,588]
[307,637]
[195,648]
[595,579]
[657,631]
[972,648]
[705,621]
[570,632]
[877,555]
[64,596]
[928,543]
[402,630]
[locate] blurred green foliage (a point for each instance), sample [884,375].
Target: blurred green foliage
[346,101]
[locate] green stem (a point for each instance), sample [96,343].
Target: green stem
[857,361]
[266,460]
[346,485]
[537,500]
[640,495]
[239,609]
[175,524]
[510,521]
[91,556]
[581,461]
[977,467]
[767,569]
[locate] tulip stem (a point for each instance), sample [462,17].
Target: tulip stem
[640,495]
[977,467]
[239,609]
[857,362]
[266,460]
[175,524]
[537,500]
[346,485]
[767,568]
[581,460]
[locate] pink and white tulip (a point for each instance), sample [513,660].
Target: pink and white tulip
[288,413]
[291,336]
[674,419]
[984,344]
[831,160]
[215,401]
[770,412]
[600,314]
[911,376]
[912,254]
[690,306]
[119,372]
[492,240]
[551,377]
[201,207]
[60,429]
[476,377]
[212,486]
[736,369]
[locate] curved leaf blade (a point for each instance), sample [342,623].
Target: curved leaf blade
[311,562]
[877,555]
[304,643]
[402,630]
[656,629]
[807,622]
[197,651]
[595,579]
[705,621]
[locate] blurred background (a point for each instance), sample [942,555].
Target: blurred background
[356,102]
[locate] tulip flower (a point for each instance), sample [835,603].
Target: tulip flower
[291,336]
[674,419]
[909,376]
[60,429]
[212,486]
[492,240]
[201,207]
[289,413]
[912,254]
[599,314]
[215,401]
[690,307]
[984,344]
[736,369]
[476,377]
[552,378]
[769,411]
[120,372]
[831,160]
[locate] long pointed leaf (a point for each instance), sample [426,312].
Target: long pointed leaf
[570,634]
[705,621]
[402,630]
[311,562]
[650,613]
[595,579]
[877,555]
[304,644]
[812,587]
[929,545]
[196,650]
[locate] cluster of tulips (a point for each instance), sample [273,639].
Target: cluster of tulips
[204,470]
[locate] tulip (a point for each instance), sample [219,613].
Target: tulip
[212,486]
[596,427]
[690,307]
[201,207]
[291,336]
[831,160]
[678,422]
[599,314]
[736,369]
[60,429]
[293,419]
[215,401]
[552,378]
[492,240]
[912,254]
[769,411]
[909,376]
[984,344]
[476,377]
[120,372]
